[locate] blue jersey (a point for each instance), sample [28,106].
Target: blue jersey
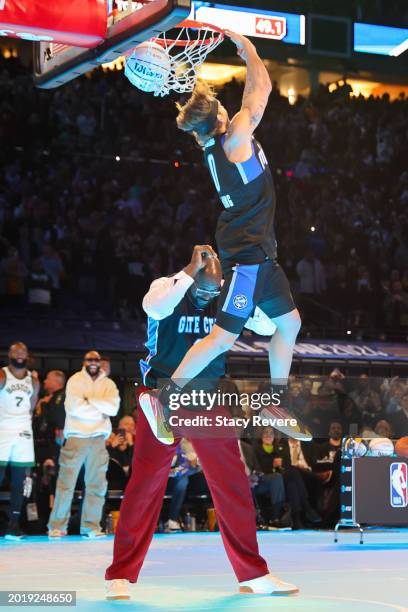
[169,339]
[245,232]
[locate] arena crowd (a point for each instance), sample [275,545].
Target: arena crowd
[100,193]
[294,484]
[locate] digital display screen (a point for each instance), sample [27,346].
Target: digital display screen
[274,25]
[378,39]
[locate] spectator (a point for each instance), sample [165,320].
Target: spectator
[399,421]
[52,265]
[49,418]
[383,429]
[263,467]
[12,274]
[91,398]
[184,464]
[106,365]
[39,286]
[396,306]
[367,399]
[302,485]
[311,275]
[120,449]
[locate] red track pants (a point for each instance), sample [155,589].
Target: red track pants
[141,505]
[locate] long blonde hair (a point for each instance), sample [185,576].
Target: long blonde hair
[193,114]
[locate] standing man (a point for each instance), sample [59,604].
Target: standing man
[49,418]
[245,235]
[90,399]
[18,396]
[181,312]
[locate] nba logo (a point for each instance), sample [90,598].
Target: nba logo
[398,485]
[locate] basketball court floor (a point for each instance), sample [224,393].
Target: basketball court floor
[190,572]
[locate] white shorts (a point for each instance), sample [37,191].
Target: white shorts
[17,448]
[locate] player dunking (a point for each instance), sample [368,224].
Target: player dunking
[245,235]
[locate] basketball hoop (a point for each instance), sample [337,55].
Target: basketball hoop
[186,52]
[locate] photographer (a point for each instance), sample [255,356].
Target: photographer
[120,448]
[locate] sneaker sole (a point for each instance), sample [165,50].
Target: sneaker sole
[14,538]
[288,431]
[249,591]
[145,404]
[279,528]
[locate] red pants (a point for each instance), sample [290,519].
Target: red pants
[140,509]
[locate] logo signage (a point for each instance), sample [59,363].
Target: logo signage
[398,484]
[240,301]
[272,27]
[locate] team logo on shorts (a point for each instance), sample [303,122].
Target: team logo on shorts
[240,301]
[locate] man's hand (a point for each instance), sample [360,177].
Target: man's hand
[277,462]
[201,254]
[242,43]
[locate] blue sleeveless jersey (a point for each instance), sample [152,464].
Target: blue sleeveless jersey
[245,232]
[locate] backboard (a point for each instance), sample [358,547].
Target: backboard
[129,24]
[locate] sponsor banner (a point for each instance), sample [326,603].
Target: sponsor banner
[379,39]
[41,337]
[330,349]
[273,25]
[80,23]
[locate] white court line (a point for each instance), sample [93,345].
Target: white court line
[265,600]
[369,601]
[291,570]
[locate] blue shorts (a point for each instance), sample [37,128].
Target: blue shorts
[245,286]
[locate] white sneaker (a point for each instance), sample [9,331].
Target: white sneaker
[117,589]
[94,535]
[171,526]
[267,585]
[56,533]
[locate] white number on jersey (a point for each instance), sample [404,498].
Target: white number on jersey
[227,202]
[262,158]
[213,170]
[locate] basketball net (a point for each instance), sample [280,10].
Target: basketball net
[186,53]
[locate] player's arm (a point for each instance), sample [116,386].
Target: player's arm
[237,144]
[167,292]
[2,379]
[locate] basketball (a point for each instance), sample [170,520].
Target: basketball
[354,447]
[401,447]
[381,447]
[148,67]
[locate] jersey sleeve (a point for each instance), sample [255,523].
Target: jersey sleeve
[165,294]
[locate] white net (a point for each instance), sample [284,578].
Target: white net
[186,53]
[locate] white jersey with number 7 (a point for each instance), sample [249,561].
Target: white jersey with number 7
[15,404]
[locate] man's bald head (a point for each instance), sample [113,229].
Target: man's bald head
[207,283]
[210,277]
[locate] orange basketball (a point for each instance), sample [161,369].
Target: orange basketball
[401,447]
